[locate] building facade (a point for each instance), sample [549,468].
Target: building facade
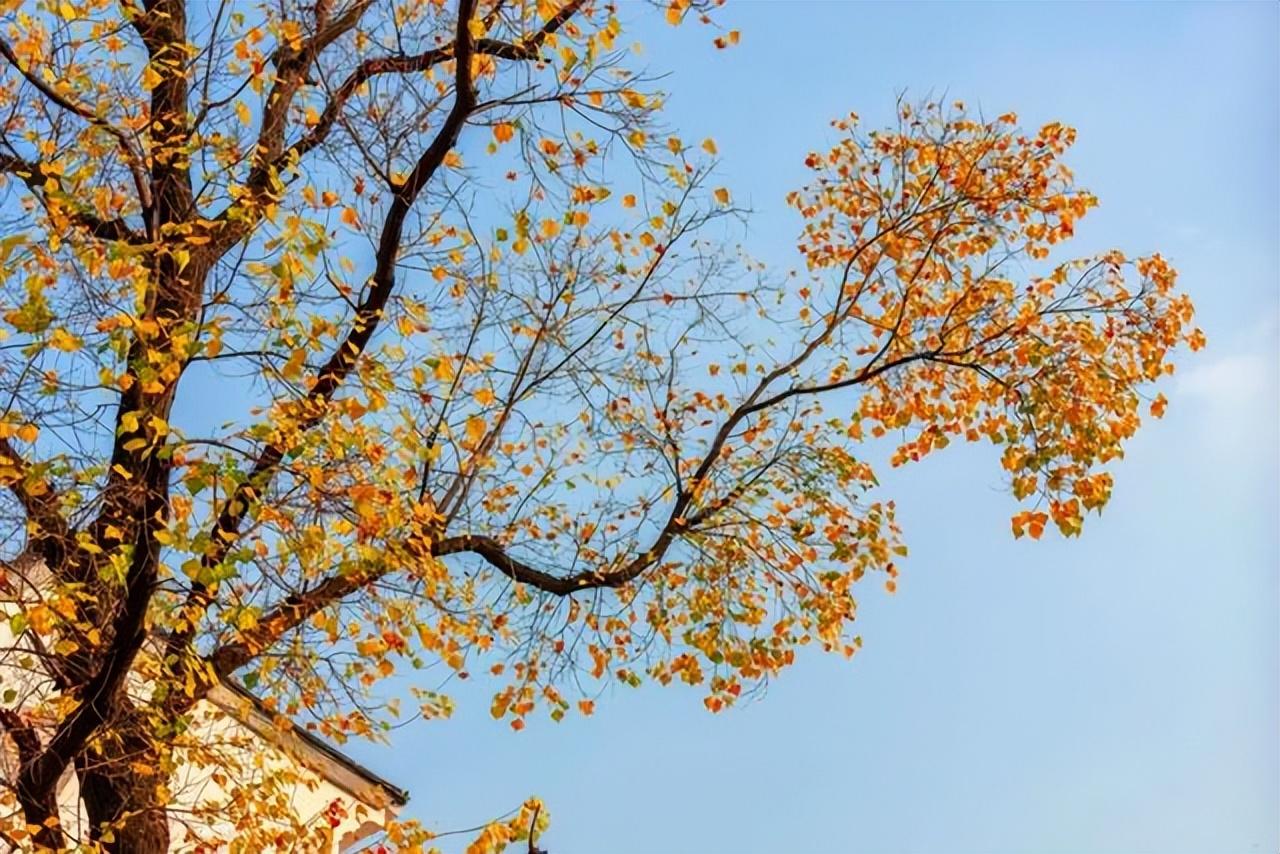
[235,753]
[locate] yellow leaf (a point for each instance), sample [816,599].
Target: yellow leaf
[722,195]
[350,217]
[549,228]
[242,110]
[484,396]
[709,146]
[63,340]
[28,432]
[476,427]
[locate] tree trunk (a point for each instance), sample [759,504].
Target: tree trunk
[122,785]
[38,809]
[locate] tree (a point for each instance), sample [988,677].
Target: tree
[352,337]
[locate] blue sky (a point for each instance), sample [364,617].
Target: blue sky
[1116,693]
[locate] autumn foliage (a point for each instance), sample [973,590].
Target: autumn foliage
[350,339]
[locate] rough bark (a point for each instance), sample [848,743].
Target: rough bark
[120,786]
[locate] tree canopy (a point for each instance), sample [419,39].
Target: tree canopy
[356,338]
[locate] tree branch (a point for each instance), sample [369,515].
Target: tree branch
[273,158]
[292,66]
[289,614]
[132,157]
[40,503]
[38,178]
[298,607]
[368,315]
[526,49]
[36,806]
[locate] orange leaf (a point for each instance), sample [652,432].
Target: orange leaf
[476,428]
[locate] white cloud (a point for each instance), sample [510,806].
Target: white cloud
[1238,379]
[1236,396]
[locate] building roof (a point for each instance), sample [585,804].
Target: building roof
[238,701]
[322,757]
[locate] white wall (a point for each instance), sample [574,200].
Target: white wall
[233,761]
